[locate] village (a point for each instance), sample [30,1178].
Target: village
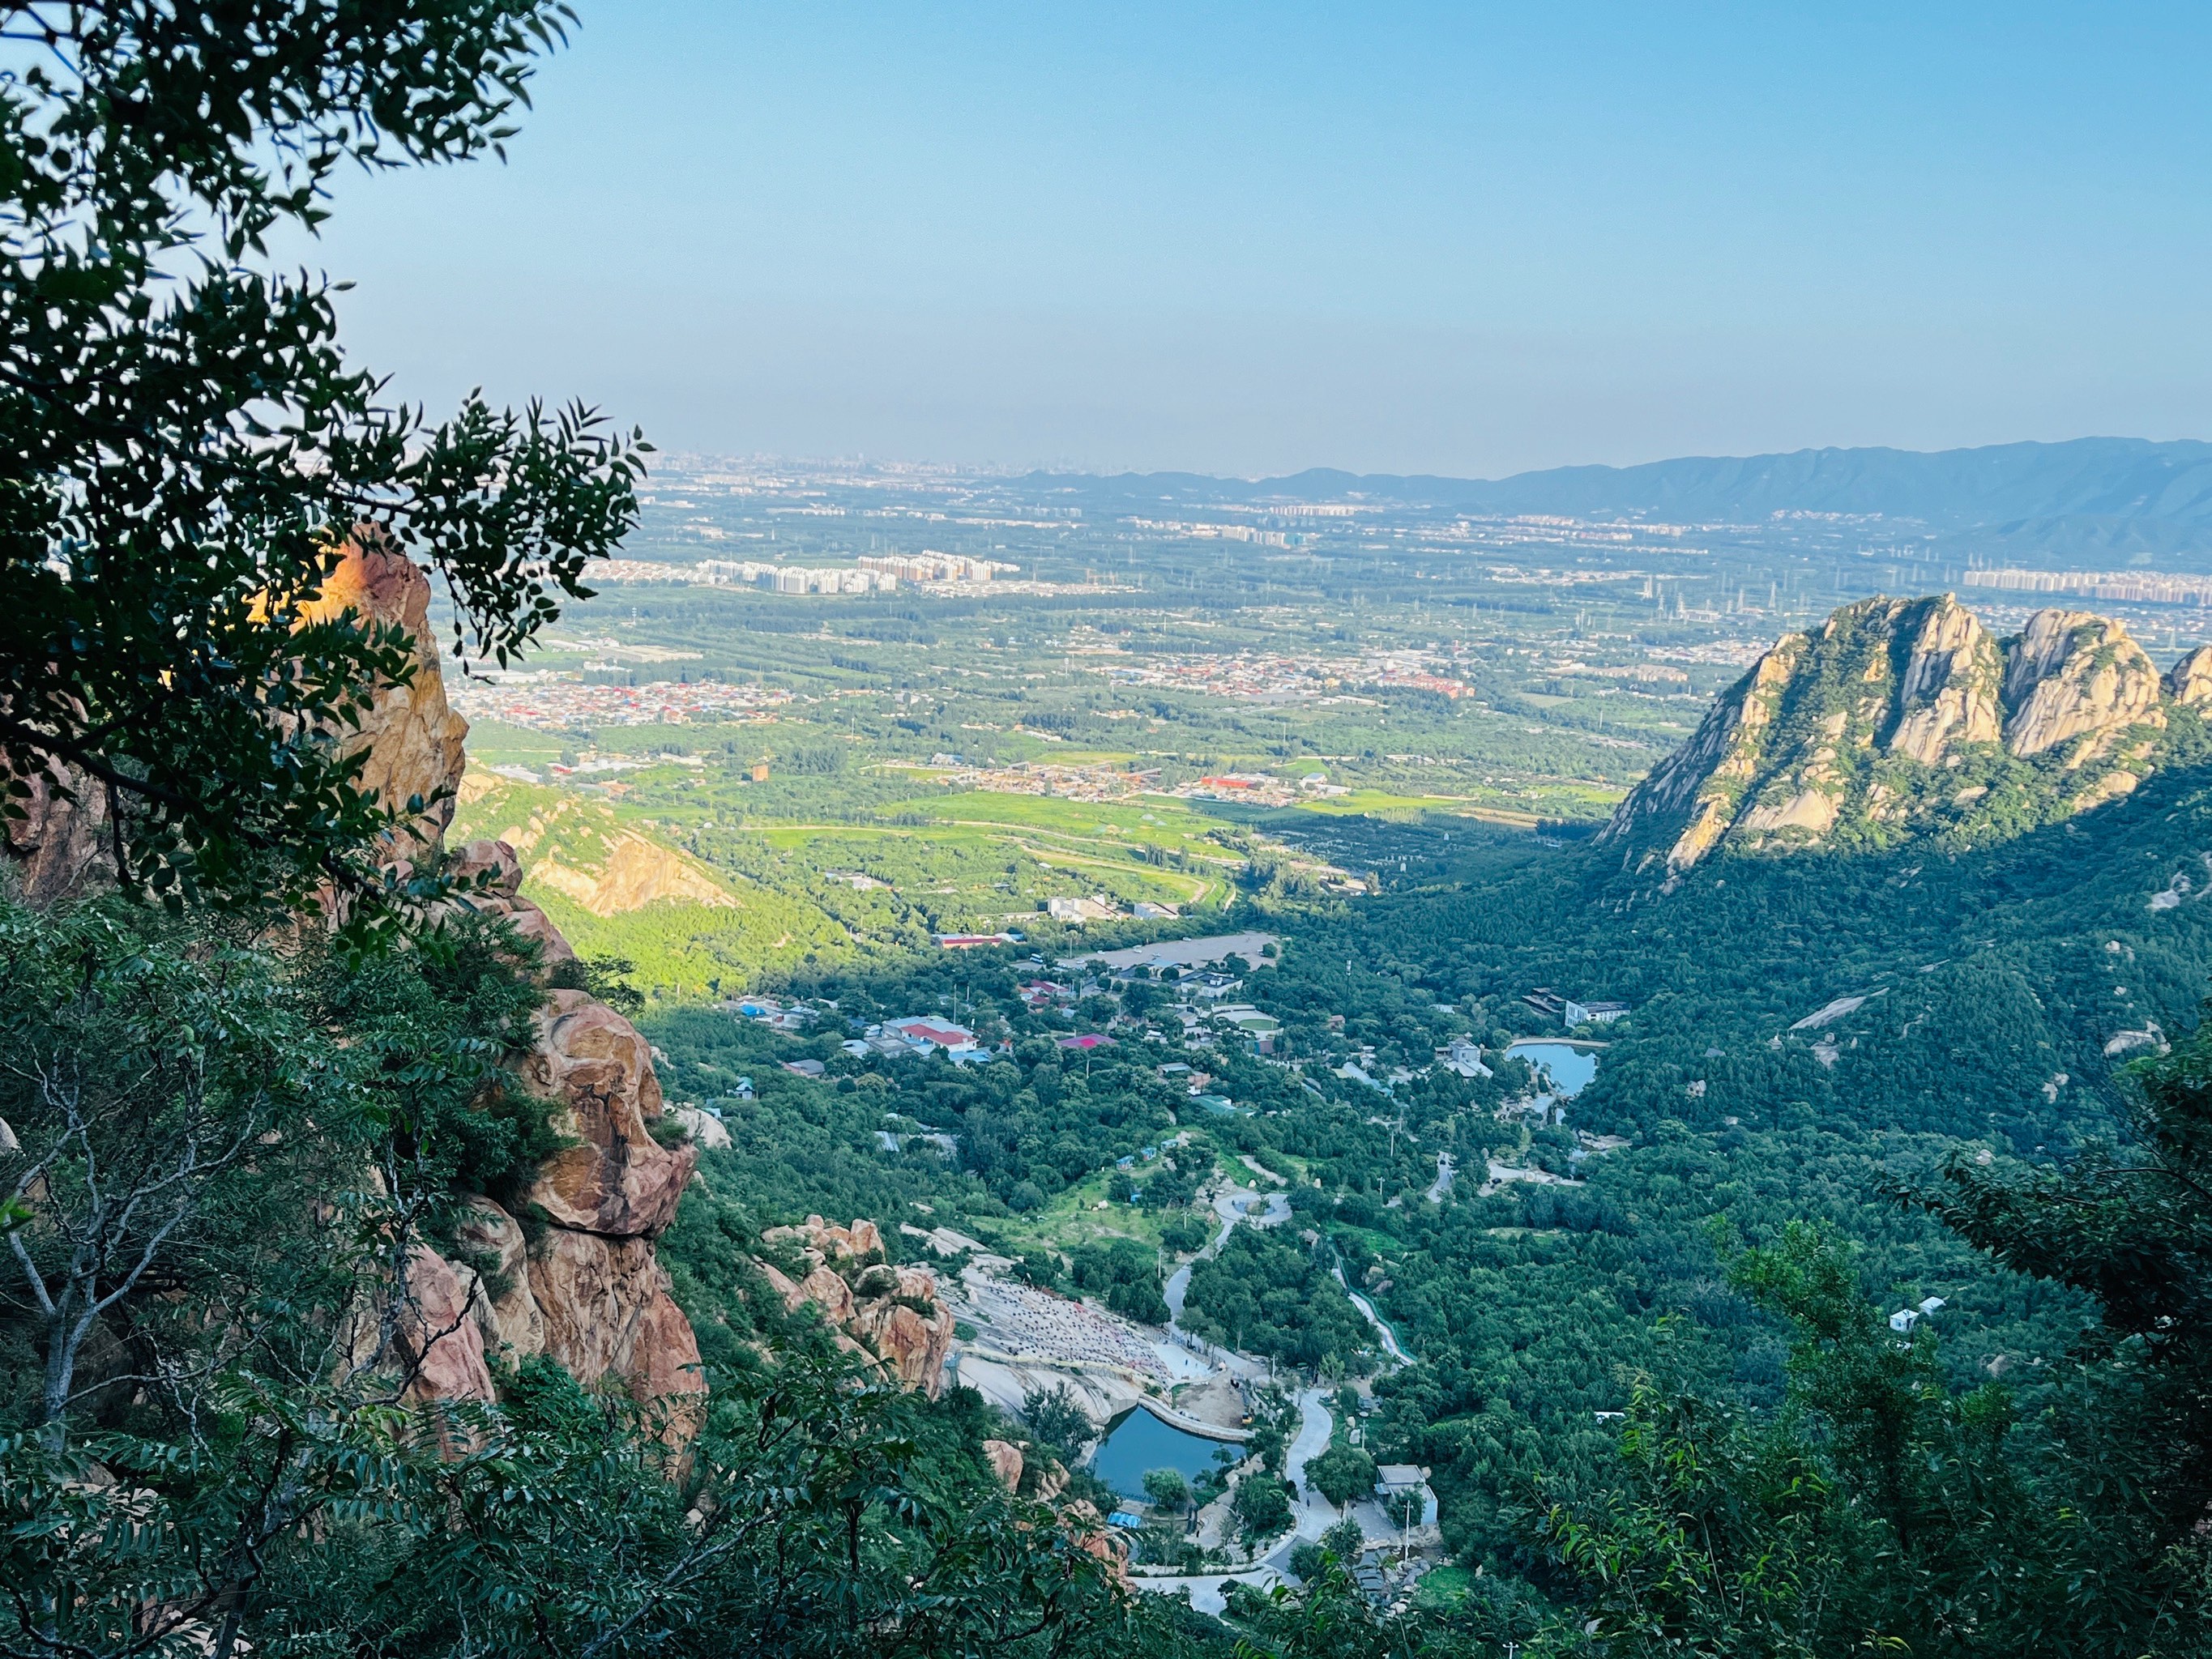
[1177,1422]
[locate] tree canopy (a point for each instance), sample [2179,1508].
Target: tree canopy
[185,446]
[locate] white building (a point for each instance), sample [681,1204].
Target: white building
[1591,1013]
[1464,1056]
[1905,1319]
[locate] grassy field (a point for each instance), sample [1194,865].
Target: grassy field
[1073,1217]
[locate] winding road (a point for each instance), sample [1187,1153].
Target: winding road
[1312,1514]
[1232,1205]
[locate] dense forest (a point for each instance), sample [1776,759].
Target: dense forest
[1985,1005]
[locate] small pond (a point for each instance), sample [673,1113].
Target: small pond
[1568,1066]
[1137,1441]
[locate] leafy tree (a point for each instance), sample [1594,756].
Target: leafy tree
[1879,1508]
[1342,1474]
[1125,1275]
[1167,1489]
[1262,1505]
[2132,1226]
[606,978]
[1404,1508]
[187,447]
[1184,1233]
[1345,1541]
[1054,1418]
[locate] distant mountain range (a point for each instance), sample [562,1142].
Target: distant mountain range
[2114,496]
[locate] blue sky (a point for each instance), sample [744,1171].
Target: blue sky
[1467,239]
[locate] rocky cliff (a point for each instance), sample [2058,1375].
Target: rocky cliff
[582,1284]
[583,1287]
[1903,717]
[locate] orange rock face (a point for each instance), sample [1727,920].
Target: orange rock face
[507,1314]
[1094,1537]
[438,1335]
[891,1313]
[608,1312]
[414,740]
[618,1180]
[589,1294]
[56,845]
[494,862]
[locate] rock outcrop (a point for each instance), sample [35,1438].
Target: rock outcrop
[616,1180]
[58,847]
[496,1271]
[1005,1460]
[1900,717]
[587,1291]
[891,1315]
[2072,675]
[490,878]
[412,738]
[438,1337]
[2189,682]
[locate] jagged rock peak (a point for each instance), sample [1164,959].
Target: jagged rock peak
[1901,717]
[2189,682]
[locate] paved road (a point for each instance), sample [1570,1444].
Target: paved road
[1230,1206]
[1445,1172]
[1381,1327]
[1315,1514]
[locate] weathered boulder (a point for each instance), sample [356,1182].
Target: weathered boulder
[829,1292]
[507,1314]
[617,1179]
[1005,1460]
[710,1132]
[1095,1538]
[825,1241]
[914,1344]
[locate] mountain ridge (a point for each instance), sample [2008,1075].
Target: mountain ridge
[2098,479]
[1902,718]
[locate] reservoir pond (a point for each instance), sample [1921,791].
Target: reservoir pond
[1137,1441]
[1569,1067]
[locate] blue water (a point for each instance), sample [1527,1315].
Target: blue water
[1138,1441]
[1569,1067]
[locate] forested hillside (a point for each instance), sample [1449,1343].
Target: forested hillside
[1985,999]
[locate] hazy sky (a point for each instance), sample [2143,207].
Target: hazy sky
[1467,239]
